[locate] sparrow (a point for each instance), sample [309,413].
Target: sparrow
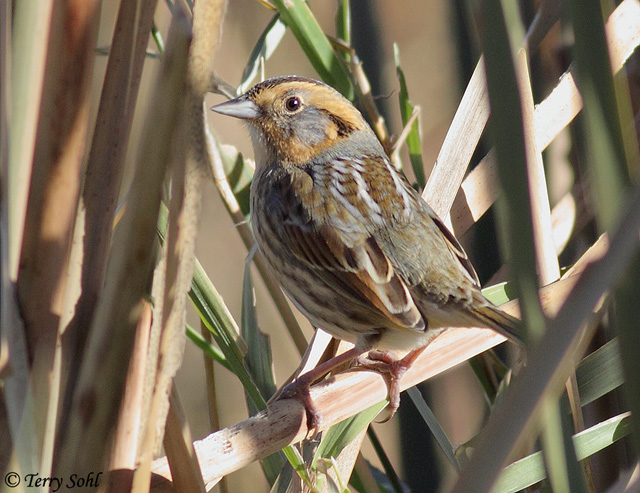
[354,247]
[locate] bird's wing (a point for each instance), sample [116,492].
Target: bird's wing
[361,271]
[428,257]
[350,262]
[454,247]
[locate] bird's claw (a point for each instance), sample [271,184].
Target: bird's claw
[300,389]
[391,370]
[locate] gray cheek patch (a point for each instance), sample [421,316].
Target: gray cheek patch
[310,126]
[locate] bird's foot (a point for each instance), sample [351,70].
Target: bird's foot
[300,387]
[392,370]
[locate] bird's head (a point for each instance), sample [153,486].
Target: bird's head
[293,120]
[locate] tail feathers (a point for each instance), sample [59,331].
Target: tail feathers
[505,324]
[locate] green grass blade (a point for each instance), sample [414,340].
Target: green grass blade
[208,302]
[488,368]
[340,435]
[530,470]
[157,38]
[433,424]
[298,17]
[215,315]
[600,436]
[507,132]
[297,462]
[258,361]
[207,348]
[600,372]
[239,173]
[611,154]
[258,358]
[558,451]
[394,480]
[343,25]
[502,39]
[414,143]
[604,106]
[552,361]
[500,293]
[262,51]
[502,35]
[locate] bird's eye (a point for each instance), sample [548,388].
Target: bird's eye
[292,104]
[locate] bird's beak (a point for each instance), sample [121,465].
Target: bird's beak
[240,108]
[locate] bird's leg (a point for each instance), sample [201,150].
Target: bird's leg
[299,388]
[392,370]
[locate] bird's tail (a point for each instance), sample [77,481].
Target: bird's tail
[501,322]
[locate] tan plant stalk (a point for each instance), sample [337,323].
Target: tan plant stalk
[103,177]
[191,164]
[51,208]
[100,385]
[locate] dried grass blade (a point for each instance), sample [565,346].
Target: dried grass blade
[459,144]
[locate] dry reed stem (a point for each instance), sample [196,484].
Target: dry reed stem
[564,218]
[100,386]
[56,177]
[31,24]
[178,270]
[189,170]
[51,208]
[546,258]
[5,279]
[103,177]
[459,145]
[192,161]
[127,436]
[17,426]
[180,452]
[364,95]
